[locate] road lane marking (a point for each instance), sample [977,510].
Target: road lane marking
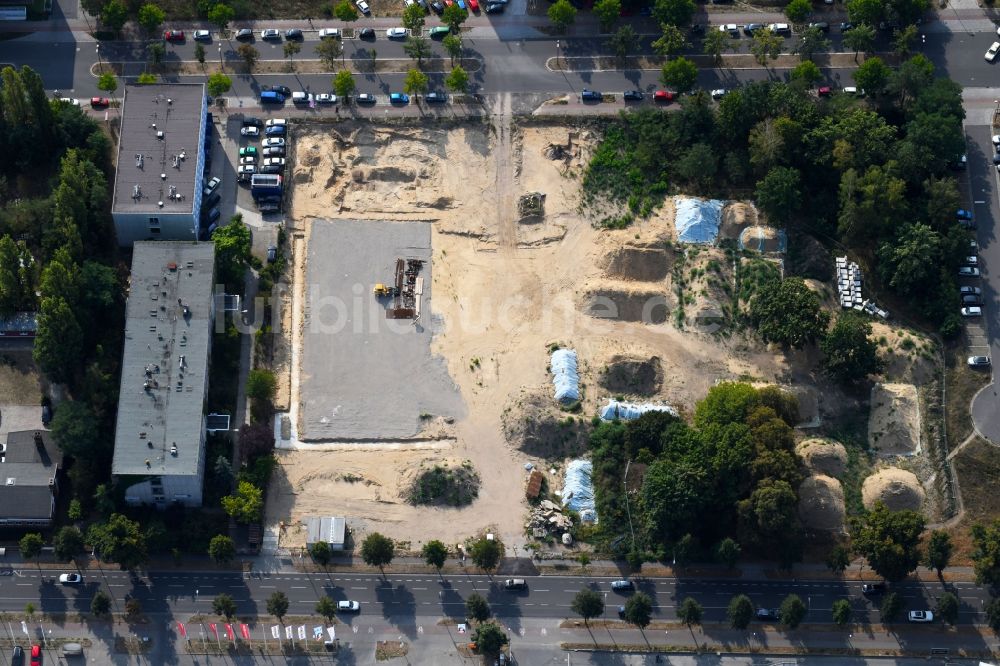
[297,587]
[270,587]
[359,588]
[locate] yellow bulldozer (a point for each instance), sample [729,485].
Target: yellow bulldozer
[383,291]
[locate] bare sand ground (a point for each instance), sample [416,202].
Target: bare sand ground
[894,421]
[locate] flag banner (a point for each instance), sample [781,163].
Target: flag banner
[24,628]
[229,633]
[276,632]
[213,629]
[318,633]
[288,632]
[302,632]
[333,633]
[245,631]
[181,630]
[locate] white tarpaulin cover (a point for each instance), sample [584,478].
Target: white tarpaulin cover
[697,220]
[578,491]
[564,375]
[628,411]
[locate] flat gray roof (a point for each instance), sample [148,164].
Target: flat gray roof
[175,109]
[168,330]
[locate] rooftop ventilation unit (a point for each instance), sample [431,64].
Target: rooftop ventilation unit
[173,449]
[138,160]
[170,101]
[183,155]
[160,204]
[163,176]
[136,192]
[177,161]
[159,135]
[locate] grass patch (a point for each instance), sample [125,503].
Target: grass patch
[962,383]
[853,434]
[443,486]
[978,469]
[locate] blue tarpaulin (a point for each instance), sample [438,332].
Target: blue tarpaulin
[578,490]
[565,376]
[697,220]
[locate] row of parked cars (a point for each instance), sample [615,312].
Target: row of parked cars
[270,156]
[279,94]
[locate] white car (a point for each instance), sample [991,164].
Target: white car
[991,53]
[979,361]
[348,606]
[972,261]
[731,28]
[248,159]
[247,168]
[270,33]
[70,579]
[329,33]
[250,131]
[395,33]
[70,100]
[326,98]
[271,122]
[363,7]
[211,185]
[718,93]
[273,141]
[972,311]
[996,140]
[968,271]
[274,161]
[921,616]
[202,35]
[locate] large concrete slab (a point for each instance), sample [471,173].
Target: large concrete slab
[364,377]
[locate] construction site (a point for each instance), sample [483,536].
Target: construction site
[434,270]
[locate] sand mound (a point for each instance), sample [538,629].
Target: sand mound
[736,217]
[649,264]
[894,422]
[822,456]
[533,424]
[623,302]
[821,503]
[637,376]
[762,239]
[896,488]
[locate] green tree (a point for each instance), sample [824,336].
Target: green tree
[793,611]
[671,41]
[31,545]
[224,606]
[326,608]
[890,540]
[75,511]
[838,559]
[486,553]
[607,13]
[779,193]
[849,353]
[798,11]
[892,604]
[114,15]
[939,548]
[77,431]
[377,550]
[947,607]
[320,553]
[728,552]
[435,554]
[100,604]
[454,16]
[689,612]
[860,38]
[133,609]
[910,79]
[277,605]
[587,604]
[788,312]
[232,251]
[562,14]
[477,607]
[151,17]
[841,612]
[872,75]
[490,638]
[865,11]
[329,51]
[199,53]
[120,540]
[766,45]
[107,82]
[219,84]
[246,505]
[457,80]
[715,42]
[261,384]
[157,52]
[811,41]
[417,48]
[146,78]
[415,82]
[806,71]
[453,46]
[67,543]
[220,15]
[740,611]
[679,74]
[290,49]
[639,610]
[992,610]
[345,11]
[903,40]
[413,18]
[986,553]
[343,84]
[249,55]
[59,340]
[222,549]
[674,12]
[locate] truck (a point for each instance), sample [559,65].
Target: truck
[266,185]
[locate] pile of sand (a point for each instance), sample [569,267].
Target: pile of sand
[822,456]
[737,216]
[624,301]
[894,422]
[909,355]
[762,239]
[635,376]
[635,262]
[821,503]
[896,488]
[532,423]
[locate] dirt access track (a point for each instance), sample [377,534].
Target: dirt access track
[506,286]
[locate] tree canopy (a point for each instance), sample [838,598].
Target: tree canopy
[377,550]
[889,540]
[788,312]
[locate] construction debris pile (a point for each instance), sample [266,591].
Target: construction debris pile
[849,281]
[405,292]
[531,204]
[547,518]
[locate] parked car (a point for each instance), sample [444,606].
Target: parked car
[435,98]
[173,35]
[298,97]
[399,98]
[623,585]
[271,122]
[972,299]
[274,161]
[768,614]
[293,33]
[270,33]
[248,159]
[718,93]
[326,98]
[920,616]
[822,26]
[979,361]
[348,606]
[211,185]
[632,95]
[364,98]
[854,90]
[273,141]
[963,214]
[515,584]
[780,28]
[824,91]
[72,101]
[395,33]
[250,130]
[283,90]
[363,7]
[367,33]
[663,96]
[274,151]
[845,26]
[272,254]
[473,5]
[70,579]
[36,655]
[244,35]
[211,202]
[439,32]
[437,7]
[966,291]
[17,657]
[991,53]
[621,612]
[250,121]
[591,95]
[972,311]
[99,102]
[248,150]
[494,8]
[871,589]
[202,35]
[270,168]
[731,28]
[972,261]
[72,650]
[968,271]
[329,33]
[751,28]
[247,168]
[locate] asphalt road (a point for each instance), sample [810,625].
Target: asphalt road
[401,598]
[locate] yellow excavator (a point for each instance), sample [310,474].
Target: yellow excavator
[381,290]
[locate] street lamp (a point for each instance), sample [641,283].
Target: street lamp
[557,53]
[221,65]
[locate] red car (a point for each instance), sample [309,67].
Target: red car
[663,96]
[174,35]
[449,3]
[824,91]
[36,655]
[97,102]
[473,5]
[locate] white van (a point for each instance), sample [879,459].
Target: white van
[301,97]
